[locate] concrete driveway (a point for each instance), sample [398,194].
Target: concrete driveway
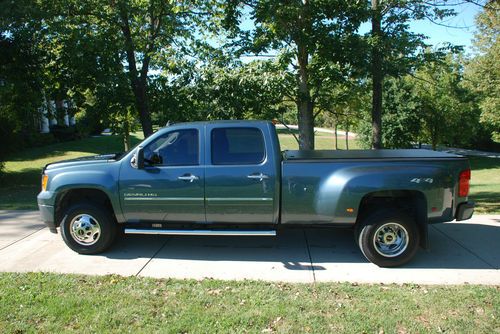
[461,252]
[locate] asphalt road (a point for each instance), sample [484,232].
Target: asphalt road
[461,252]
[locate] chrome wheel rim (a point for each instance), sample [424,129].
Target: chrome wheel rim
[85,230]
[390,240]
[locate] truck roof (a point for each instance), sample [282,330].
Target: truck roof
[408,154]
[248,122]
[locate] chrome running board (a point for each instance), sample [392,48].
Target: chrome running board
[247,233]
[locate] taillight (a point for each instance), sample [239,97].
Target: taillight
[464,183]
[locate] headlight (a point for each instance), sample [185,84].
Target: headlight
[45,179]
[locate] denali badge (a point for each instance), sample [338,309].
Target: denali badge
[420,180]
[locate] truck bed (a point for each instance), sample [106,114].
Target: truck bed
[409,154]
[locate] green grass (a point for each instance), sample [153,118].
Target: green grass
[52,303]
[323,141]
[21,182]
[485,184]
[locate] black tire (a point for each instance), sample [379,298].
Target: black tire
[94,228]
[388,238]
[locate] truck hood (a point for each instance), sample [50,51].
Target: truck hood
[83,161]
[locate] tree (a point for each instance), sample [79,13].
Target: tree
[376,73]
[304,32]
[139,33]
[341,103]
[394,47]
[446,107]
[483,71]
[20,78]
[214,91]
[401,119]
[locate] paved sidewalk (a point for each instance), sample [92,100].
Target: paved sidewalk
[461,252]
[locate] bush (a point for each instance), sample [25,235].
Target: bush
[63,132]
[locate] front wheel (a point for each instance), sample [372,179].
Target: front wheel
[388,238]
[88,228]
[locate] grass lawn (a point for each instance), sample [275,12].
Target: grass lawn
[485,184]
[21,182]
[322,142]
[52,303]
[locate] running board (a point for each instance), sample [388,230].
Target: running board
[247,233]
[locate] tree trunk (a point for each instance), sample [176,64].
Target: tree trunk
[305,116]
[125,132]
[336,137]
[347,138]
[138,83]
[59,111]
[126,141]
[304,105]
[434,134]
[141,101]
[377,76]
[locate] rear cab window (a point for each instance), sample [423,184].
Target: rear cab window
[237,146]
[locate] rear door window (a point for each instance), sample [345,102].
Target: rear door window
[237,146]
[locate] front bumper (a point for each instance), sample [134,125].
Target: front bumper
[47,214]
[465,211]
[47,210]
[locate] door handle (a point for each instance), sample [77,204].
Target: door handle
[188,177]
[258,176]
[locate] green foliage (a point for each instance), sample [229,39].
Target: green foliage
[400,120]
[123,123]
[341,102]
[20,85]
[63,132]
[314,41]
[128,59]
[445,106]
[432,105]
[253,90]
[483,71]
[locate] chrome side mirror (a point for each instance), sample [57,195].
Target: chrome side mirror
[138,158]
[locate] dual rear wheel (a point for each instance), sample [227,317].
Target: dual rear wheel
[388,238]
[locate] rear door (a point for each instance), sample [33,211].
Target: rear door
[240,177]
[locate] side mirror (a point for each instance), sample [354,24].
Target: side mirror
[138,159]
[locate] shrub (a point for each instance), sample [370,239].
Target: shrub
[63,132]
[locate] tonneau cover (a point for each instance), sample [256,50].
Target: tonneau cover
[368,154]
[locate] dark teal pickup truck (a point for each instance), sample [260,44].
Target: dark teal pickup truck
[230,178]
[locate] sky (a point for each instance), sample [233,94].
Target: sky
[462,35]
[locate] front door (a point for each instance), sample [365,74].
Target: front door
[240,178]
[171,186]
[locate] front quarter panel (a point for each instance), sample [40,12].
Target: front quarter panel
[100,176]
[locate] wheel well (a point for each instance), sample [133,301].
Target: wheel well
[411,202]
[74,196]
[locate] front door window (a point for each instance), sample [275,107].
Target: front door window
[177,148]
